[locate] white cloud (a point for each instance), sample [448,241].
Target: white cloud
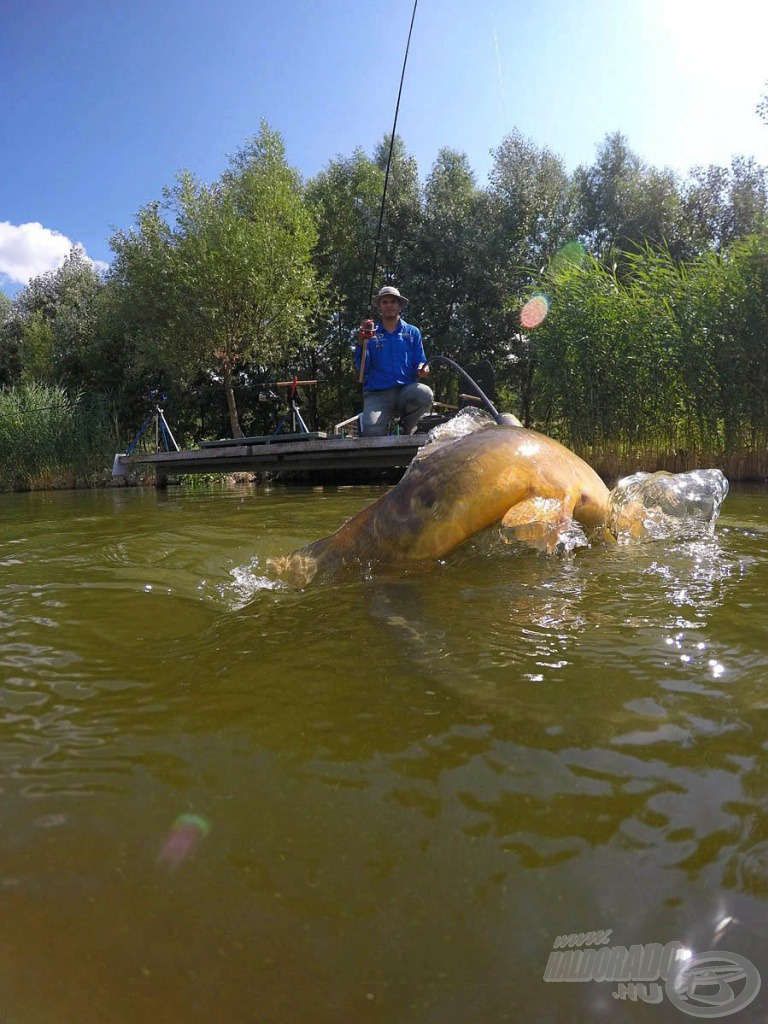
[27,250]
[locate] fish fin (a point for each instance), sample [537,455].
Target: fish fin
[296,569]
[538,521]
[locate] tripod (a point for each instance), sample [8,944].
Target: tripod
[298,426]
[156,417]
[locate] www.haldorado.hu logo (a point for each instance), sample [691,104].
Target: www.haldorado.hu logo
[711,984]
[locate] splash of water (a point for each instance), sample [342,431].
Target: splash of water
[245,584]
[463,423]
[664,506]
[545,531]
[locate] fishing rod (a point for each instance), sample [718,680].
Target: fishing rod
[366,332]
[367,329]
[389,157]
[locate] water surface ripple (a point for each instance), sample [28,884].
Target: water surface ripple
[414,782]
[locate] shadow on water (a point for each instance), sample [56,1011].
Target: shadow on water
[414,784]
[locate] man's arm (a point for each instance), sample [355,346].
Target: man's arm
[422,367]
[365,332]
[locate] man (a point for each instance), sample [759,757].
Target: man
[395,363]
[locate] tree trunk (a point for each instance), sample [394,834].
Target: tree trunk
[234,420]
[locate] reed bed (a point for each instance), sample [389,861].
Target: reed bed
[52,438]
[663,367]
[612,463]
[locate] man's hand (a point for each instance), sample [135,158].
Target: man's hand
[366,330]
[422,371]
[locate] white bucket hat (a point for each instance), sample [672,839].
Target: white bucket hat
[389,290]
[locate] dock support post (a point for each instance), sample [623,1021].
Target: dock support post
[161,478]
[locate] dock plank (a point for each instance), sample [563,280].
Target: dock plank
[288,456]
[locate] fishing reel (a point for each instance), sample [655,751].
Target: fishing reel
[367,330]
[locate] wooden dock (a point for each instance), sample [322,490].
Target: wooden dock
[314,455]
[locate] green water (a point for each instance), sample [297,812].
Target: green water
[413,784]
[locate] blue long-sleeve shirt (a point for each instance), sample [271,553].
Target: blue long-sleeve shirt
[392,358]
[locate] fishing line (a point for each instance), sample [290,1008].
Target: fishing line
[389,157]
[435,359]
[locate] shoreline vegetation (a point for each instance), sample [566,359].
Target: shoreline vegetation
[51,440]
[649,349]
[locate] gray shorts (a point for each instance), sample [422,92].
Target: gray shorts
[410,402]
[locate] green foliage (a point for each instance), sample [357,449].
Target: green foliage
[345,199]
[532,200]
[230,279]
[724,204]
[48,436]
[762,109]
[441,277]
[622,204]
[657,329]
[51,324]
[670,356]
[402,211]
[740,327]
[38,349]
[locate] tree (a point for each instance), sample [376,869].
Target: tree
[402,210]
[442,266]
[50,326]
[9,365]
[230,278]
[531,191]
[453,281]
[345,198]
[723,204]
[524,217]
[623,205]
[762,109]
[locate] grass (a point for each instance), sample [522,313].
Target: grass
[51,438]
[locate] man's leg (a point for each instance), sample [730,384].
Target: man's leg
[413,402]
[378,407]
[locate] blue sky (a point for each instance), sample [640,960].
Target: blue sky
[101,104]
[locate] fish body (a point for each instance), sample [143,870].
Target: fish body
[499,474]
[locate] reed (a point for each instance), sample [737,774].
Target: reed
[663,368]
[51,438]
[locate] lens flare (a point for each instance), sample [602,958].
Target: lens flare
[571,253]
[534,311]
[181,841]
